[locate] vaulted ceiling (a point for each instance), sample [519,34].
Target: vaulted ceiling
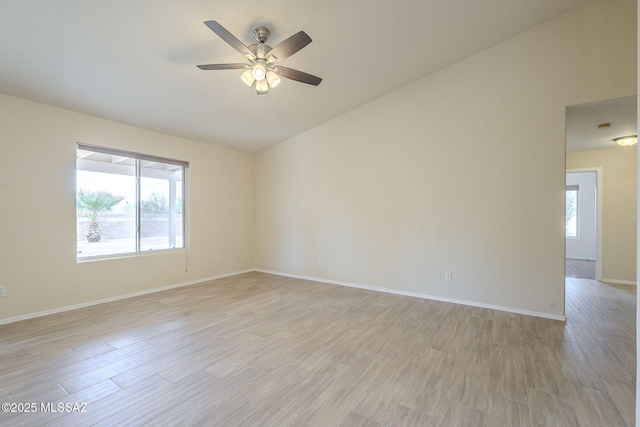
[135,61]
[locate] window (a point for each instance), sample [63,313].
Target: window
[127,202]
[571,219]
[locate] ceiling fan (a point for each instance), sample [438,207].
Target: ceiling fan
[262,68]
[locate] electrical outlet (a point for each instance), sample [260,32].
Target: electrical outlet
[319,261]
[3,291]
[447,276]
[219,258]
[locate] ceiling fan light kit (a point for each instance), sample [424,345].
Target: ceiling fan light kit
[259,70]
[262,69]
[247,77]
[273,79]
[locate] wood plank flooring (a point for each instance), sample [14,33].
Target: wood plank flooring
[580,268]
[263,350]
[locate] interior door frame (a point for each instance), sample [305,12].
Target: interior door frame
[598,171]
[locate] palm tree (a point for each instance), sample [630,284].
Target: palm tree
[94,203]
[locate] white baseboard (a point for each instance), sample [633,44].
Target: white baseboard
[417,295]
[116,298]
[296,276]
[620,282]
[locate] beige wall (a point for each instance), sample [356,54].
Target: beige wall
[462,171]
[37,219]
[619,188]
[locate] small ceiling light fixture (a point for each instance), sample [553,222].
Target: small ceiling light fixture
[626,141]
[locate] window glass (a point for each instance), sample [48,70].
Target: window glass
[571,219]
[160,206]
[127,204]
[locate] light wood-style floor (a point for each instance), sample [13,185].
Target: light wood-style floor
[580,268]
[263,350]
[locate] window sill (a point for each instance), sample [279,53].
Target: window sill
[151,252]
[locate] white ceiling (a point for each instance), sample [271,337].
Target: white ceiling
[134,61]
[582,123]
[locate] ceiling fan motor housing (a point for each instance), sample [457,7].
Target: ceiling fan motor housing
[261,34]
[260,50]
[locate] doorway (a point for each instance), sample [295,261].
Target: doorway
[582,224]
[593,144]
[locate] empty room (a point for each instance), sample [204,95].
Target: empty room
[315,213]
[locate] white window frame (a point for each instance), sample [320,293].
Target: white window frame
[139,157]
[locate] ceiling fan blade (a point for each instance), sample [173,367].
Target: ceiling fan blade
[230,39]
[289,47]
[223,66]
[299,76]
